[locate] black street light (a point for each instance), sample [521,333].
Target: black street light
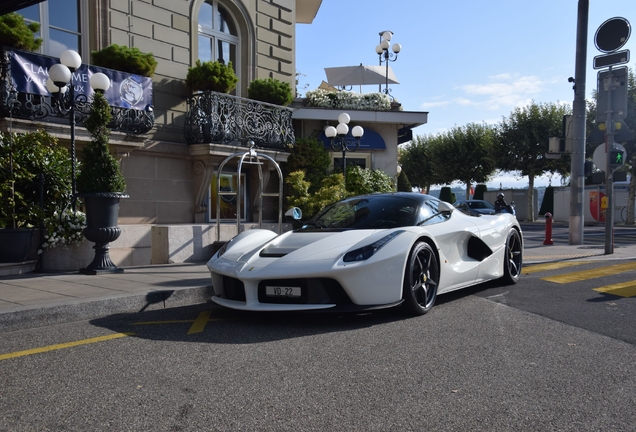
[61,84]
[387,55]
[338,137]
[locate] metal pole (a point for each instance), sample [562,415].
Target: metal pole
[609,181]
[344,161]
[577,168]
[73,162]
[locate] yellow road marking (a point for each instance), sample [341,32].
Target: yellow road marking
[591,274]
[625,289]
[62,346]
[551,266]
[198,325]
[200,322]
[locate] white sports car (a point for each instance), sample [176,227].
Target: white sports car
[367,252]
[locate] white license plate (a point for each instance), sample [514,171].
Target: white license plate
[282,291]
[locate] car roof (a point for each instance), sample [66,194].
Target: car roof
[419,197]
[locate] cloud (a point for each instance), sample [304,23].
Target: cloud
[501,91]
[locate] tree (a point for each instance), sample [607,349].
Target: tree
[309,155]
[416,162]
[523,141]
[465,153]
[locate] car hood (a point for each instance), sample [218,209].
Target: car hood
[297,246]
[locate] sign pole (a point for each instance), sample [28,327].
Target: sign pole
[609,181]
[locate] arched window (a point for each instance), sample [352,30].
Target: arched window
[62,23]
[218,35]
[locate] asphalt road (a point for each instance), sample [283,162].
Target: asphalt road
[539,356]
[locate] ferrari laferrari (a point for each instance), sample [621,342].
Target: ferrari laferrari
[367,252]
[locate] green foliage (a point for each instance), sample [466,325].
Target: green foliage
[100,170]
[403,183]
[270,90]
[33,154]
[479,191]
[446,194]
[15,33]
[365,181]
[309,155]
[213,76]
[331,190]
[417,163]
[125,59]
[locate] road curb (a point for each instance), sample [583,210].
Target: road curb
[25,317]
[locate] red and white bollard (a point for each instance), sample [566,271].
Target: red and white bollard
[548,229]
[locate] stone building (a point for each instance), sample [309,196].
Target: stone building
[170,150]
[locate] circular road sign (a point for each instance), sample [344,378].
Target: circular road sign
[612,34]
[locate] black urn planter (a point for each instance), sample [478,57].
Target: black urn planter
[102,210]
[15,244]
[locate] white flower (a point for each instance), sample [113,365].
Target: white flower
[64,228]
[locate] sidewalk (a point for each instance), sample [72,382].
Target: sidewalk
[38,299]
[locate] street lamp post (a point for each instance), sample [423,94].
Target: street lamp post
[387,55]
[60,84]
[338,137]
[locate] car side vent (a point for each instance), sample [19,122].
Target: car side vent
[477,249]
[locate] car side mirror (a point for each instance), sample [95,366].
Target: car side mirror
[295,213]
[443,207]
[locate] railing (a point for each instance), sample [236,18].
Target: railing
[51,109]
[220,118]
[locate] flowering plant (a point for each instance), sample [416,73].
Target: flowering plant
[320,98]
[64,229]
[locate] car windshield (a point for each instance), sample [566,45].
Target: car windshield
[366,213]
[480,205]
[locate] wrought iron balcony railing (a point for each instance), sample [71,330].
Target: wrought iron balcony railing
[220,118]
[52,109]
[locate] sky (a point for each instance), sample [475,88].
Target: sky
[462,61]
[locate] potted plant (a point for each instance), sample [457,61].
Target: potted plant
[125,59]
[270,90]
[211,76]
[101,185]
[15,33]
[35,183]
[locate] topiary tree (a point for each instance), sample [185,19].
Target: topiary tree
[445,194]
[270,90]
[403,183]
[479,191]
[211,75]
[99,170]
[16,33]
[125,59]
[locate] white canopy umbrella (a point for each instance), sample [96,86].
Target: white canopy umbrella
[359,75]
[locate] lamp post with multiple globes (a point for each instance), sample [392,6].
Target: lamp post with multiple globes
[60,84]
[338,137]
[387,55]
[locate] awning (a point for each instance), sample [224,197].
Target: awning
[370,141]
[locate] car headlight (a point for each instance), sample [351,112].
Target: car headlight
[366,252]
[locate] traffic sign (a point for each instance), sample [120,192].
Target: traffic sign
[616,82]
[619,57]
[612,34]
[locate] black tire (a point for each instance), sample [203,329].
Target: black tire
[421,278]
[513,258]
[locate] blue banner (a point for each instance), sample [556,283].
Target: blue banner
[30,72]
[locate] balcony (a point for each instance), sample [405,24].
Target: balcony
[42,107]
[220,118]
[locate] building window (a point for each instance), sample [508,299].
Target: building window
[218,35]
[229,183]
[363,160]
[62,23]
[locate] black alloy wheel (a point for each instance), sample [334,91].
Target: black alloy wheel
[421,278]
[513,259]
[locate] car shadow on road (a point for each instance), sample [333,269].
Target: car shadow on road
[210,323]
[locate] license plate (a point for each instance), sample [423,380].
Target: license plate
[282,291]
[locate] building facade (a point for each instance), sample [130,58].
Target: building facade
[172,167]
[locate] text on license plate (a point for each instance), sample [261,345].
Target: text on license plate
[282,291]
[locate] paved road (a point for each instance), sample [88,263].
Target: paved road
[491,358]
